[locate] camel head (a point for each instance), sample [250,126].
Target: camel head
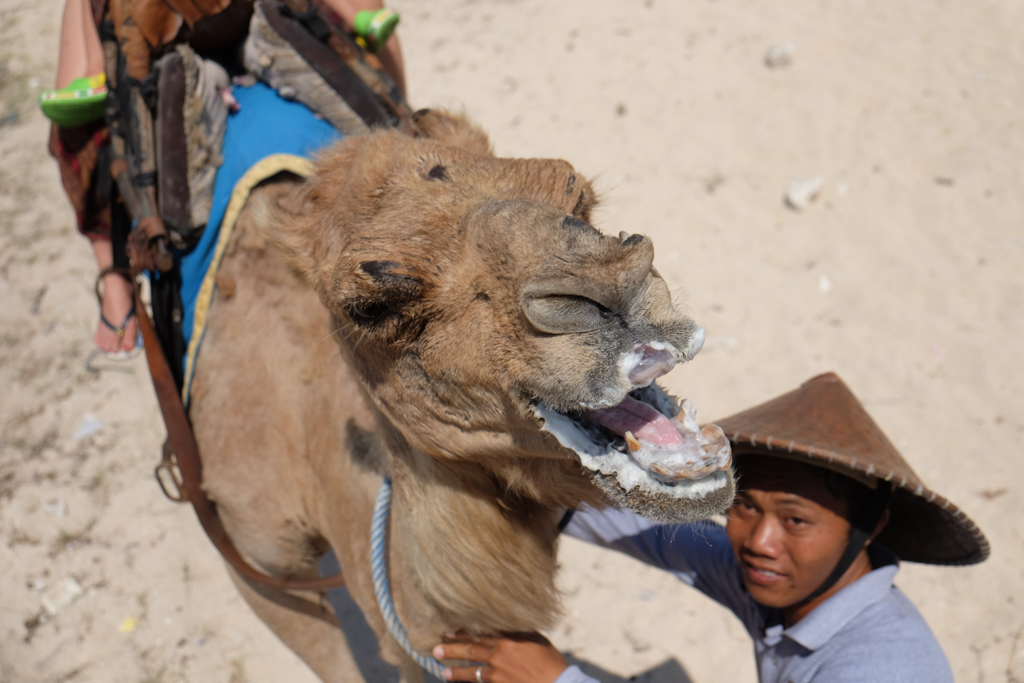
[495,330]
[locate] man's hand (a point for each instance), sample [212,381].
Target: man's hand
[526,659]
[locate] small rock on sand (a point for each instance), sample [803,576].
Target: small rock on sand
[57,507]
[63,593]
[779,55]
[801,193]
[90,425]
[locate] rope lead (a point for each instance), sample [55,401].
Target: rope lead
[378,558]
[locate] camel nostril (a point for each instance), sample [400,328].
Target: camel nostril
[650,364]
[632,240]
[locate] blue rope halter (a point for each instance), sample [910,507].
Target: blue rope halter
[378,557]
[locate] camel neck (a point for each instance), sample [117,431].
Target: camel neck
[484,561]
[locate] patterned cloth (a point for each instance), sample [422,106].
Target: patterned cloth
[77,151]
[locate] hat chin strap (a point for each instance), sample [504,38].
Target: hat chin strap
[860,532]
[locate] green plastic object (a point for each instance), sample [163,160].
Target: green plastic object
[82,101]
[375,27]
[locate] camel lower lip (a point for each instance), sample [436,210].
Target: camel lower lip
[597,451]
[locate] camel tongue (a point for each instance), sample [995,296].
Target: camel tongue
[646,423]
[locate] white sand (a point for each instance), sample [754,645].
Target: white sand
[903,276]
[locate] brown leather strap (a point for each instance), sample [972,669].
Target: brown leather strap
[185,454]
[173,196]
[365,88]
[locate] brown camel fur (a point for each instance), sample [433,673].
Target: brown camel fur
[463,291]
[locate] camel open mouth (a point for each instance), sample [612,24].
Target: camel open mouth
[646,442]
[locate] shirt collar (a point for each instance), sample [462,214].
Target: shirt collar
[818,627]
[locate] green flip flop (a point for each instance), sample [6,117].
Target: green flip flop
[375,27]
[82,101]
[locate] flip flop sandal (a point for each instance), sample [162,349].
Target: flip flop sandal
[119,331]
[375,27]
[120,354]
[82,101]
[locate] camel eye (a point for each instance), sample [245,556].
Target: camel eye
[566,313]
[438,172]
[383,294]
[368,312]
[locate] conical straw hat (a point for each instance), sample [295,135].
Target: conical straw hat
[824,424]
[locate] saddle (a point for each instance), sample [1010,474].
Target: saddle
[167,63]
[167,121]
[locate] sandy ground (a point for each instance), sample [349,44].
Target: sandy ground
[903,276]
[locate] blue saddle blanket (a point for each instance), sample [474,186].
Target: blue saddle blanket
[264,126]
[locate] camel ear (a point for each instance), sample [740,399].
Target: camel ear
[551,181]
[281,216]
[586,202]
[451,129]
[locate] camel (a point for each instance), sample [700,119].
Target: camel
[424,310]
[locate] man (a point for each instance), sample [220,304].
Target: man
[825,508]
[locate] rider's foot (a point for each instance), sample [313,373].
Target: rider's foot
[227,95]
[118,310]
[82,101]
[375,27]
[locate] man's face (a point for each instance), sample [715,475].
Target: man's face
[787,530]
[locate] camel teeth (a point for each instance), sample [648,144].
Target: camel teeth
[632,443]
[671,474]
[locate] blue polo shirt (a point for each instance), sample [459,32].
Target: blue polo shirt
[868,631]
